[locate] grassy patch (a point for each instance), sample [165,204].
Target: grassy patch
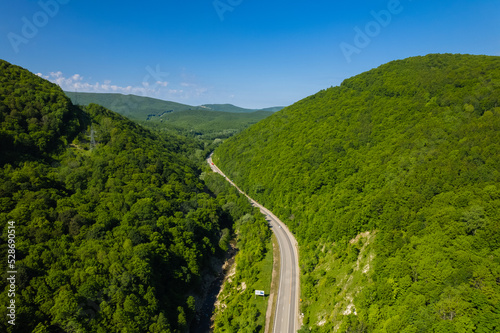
[239,309]
[274,283]
[331,291]
[265,268]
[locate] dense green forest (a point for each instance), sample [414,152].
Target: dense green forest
[391,184]
[236,109]
[206,126]
[206,123]
[238,309]
[131,106]
[114,229]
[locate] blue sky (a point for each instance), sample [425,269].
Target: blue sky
[251,53]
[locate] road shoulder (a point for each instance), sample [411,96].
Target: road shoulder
[273,298]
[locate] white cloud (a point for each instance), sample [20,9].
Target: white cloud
[77,82]
[56,74]
[46,77]
[188,92]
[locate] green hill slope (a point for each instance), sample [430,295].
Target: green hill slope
[391,183]
[273,109]
[130,106]
[206,122]
[36,119]
[112,226]
[207,125]
[226,108]
[236,109]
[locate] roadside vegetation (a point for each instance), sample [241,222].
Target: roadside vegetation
[114,227]
[408,153]
[239,310]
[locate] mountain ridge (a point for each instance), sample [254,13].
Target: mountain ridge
[236,109]
[389,182]
[131,106]
[104,212]
[140,107]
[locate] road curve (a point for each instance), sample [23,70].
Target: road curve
[287,307]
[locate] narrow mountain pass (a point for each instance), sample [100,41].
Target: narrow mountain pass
[286,318]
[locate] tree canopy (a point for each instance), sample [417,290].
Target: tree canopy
[113,225]
[408,152]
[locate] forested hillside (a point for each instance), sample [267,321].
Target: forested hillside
[237,308]
[207,123]
[131,106]
[391,183]
[236,109]
[113,227]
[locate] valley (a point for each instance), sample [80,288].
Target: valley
[206,122]
[115,230]
[286,318]
[387,185]
[408,153]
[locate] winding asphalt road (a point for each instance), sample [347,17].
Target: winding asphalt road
[287,307]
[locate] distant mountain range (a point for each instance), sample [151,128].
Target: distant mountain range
[236,109]
[105,193]
[144,108]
